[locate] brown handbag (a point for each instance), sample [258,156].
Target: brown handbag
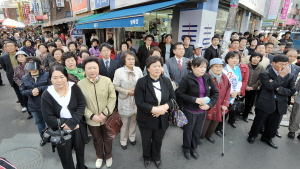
[113,124]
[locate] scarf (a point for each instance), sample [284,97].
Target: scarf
[78,72]
[218,77]
[94,80]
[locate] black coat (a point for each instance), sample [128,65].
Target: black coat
[162,46]
[266,99]
[210,53]
[114,65]
[145,99]
[188,91]
[28,83]
[142,55]
[6,65]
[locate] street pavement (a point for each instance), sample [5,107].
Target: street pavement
[19,143]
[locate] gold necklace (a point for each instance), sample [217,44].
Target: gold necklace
[64,95]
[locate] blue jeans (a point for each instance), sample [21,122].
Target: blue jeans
[39,121]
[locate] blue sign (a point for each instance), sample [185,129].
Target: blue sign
[68,14]
[60,3]
[95,4]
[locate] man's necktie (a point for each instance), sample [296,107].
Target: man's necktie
[107,66]
[179,64]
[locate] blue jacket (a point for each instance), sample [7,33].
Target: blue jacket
[28,83]
[28,52]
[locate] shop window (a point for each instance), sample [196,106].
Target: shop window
[222,17]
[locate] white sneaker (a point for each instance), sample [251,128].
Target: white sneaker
[109,162]
[98,163]
[24,109]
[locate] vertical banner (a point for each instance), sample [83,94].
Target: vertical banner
[26,12]
[32,18]
[6,13]
[285,9]
[45,5]
[20,11]
[35,7]
[273,10]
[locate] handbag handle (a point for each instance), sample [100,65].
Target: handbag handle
[59,128]
[175,105]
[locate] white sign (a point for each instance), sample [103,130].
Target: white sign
[75,33]
[60,3]
[122,3]
[255,5]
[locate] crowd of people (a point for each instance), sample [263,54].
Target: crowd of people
[81,86]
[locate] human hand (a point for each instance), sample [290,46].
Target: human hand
[247,88]
[234,94]
[200,101]
[270,80]
[283,72]
[204,107]
[35,91]
[77,127]
[98,118]
[65,126]
[158,110]
[131,92]
[224,108]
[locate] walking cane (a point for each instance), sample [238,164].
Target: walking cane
[223,112]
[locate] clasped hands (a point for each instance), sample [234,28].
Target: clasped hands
[66,127]
[98,118]
[202,104]
[35,92]
[159,110]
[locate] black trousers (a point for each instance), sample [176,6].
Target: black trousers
[65,152]
[18,93]
[250,99]
[271,124]
[152,142]
[1,82]
[192,130]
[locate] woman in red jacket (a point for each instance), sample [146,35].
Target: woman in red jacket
[214,115]
[245,76]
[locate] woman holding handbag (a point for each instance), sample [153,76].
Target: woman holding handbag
[124,82]
[153,96]
[233,72]
[64,100]
[214,115]
[198,93]
[100,96]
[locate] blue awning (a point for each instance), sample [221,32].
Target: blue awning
[132,17]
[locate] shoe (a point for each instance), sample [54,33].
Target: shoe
[245,119]
[29,117]
[291,135]
[298,137]
[195,155]
[17,101]
[232,125]
[210,139]
[109,162]
[133,143]
[98,163]
[157,163]
[269,142]
[200,142]
[24,109]
[251,140]
[218,133]
[187,155]
[124,147]
[147,163]
[42,142]
[278,135]
[2,84]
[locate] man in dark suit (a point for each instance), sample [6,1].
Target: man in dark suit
[107,66]
[143,52]
[277,85]
[8,63]
[213,51]
[269,48]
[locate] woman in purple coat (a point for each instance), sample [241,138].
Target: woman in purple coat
[94,50]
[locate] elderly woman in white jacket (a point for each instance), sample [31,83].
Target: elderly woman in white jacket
[124,82]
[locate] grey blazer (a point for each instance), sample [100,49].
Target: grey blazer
[175,73]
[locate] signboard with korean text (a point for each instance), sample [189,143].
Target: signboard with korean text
[95,4]
[255,5]
[45,5]
[114,4]
[32,18]
[79,6]
[26,11]
[273,10]
[35,7]
[60,3]
[68,14]
[285,9]
[75,33]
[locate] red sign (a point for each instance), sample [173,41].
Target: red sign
[26,11]
[6,13]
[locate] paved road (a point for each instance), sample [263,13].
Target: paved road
[19,143]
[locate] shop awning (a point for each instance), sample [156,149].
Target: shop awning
[131,17]
[70,19]
[48,24]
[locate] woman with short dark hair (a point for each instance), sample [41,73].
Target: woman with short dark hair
[124,82]
[94,50]
[153,96]
[64,100]
[82,55]
[75,74]
[124,47]
[198,93]
[167,47]
[59,43]
[100,96]
[57,54]
[28,47]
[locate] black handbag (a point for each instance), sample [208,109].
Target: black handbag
[237,106]
[57,138]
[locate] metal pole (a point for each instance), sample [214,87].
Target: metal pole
[223,112]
